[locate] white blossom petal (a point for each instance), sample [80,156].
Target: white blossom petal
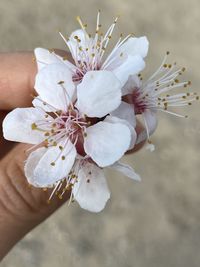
[44,57]
[74,45]
[17,125]
[107,142]
[130,66]
[125,112]
[142,136]
[112,119]
[55,86]
[91,191]
[31,164]
[38,103]
[133,82]
[135,46]
[98,94]
[126,170]
[52,167]
[151,121]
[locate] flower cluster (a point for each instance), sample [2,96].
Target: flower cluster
[83,118]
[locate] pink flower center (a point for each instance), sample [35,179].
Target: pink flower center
[140,102]
[83,68]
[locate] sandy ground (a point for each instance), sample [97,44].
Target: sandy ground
[153,223]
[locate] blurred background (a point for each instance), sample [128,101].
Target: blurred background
[153,223]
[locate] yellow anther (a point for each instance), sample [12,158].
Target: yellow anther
[33,126]
[61,82]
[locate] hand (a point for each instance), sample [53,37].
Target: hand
[22,207]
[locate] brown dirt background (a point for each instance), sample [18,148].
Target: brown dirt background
[153,223]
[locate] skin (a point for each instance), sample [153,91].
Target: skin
[22,207]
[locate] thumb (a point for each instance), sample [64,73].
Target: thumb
[22,207]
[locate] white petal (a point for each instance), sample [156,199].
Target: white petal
[38,103]
[133,82]
[91,191]
[45,174]
[151,121]
[135,46]
[130,66]
[107,142]
[48,87]
[70,66]
[44,57]
[31,164]
[74,45]
[126,170]
[125,112]
[141,137]
[98,94]
[112,119]
[17,125]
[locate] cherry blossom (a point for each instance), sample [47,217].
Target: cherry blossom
[149,97]
[88,53]
[69,122]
